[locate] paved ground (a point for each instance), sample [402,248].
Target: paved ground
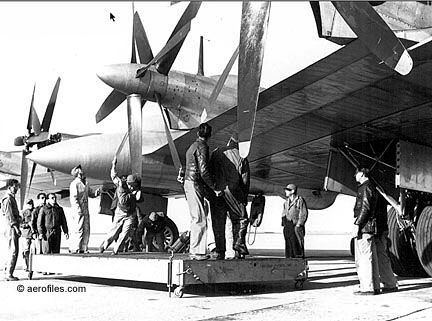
[327,295]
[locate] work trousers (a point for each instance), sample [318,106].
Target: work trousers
[12,242]
[386,275]
[366,262]
[198,210]
[26,246]
[294,240]
[155,241]
[37,246]
[229,206]
[82,234]
[52,242]
[123,226]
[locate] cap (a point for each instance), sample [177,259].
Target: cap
[363,170]
[74,171]
[133,178]
[30,202]
[291,187]
[234,137]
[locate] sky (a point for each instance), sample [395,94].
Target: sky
[41,41]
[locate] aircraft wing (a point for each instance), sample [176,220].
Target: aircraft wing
[347,97]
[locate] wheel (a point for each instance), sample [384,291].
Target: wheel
[424,239]
[299,284]
[171,233]
[178,292]
[402,249]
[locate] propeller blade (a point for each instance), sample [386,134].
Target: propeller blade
[375,34]
[254,22]
[35,121]
[220,83]
[31,176]
[24,175]
[53,179]
[46,122]
[190,13]
[201,58]
[173,150]
[144,50]
[120,147]
[133,55]
[135,132]
[174,41]
[29,121]
[114,99]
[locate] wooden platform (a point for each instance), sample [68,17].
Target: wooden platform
[176,269]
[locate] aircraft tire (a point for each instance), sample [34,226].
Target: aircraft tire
[402,252]
[424,239]
[171,233]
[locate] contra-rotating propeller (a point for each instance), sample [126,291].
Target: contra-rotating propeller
[37,135]
[162,61]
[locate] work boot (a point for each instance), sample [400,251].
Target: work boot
[11,278]
[241,249]
[198,257]
[217,256]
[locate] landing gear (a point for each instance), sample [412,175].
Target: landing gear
[402,248]
[424,239]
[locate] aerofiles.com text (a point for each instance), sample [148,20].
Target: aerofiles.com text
[50,288]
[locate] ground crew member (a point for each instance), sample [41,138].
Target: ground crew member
[154,224]
[294,216]
[127,193]
[40,202]
[11,223]
[197,186]
[26,230]
[80,191]
[232,177]
[51,220]
[365,227]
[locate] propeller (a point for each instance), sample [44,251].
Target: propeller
[373,31]
[37,134]
[254,22]
[163,60]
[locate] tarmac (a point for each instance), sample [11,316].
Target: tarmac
[326,295]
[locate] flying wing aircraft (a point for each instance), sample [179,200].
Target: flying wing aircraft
[353,107]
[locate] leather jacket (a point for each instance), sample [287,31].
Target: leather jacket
[197,170]
[365,209]
[233,172]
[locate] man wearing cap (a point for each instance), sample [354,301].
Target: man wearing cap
[26,236]
[294,216]
[232,177]
[125,215]
[80,191]
[198,184]
[11,223]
